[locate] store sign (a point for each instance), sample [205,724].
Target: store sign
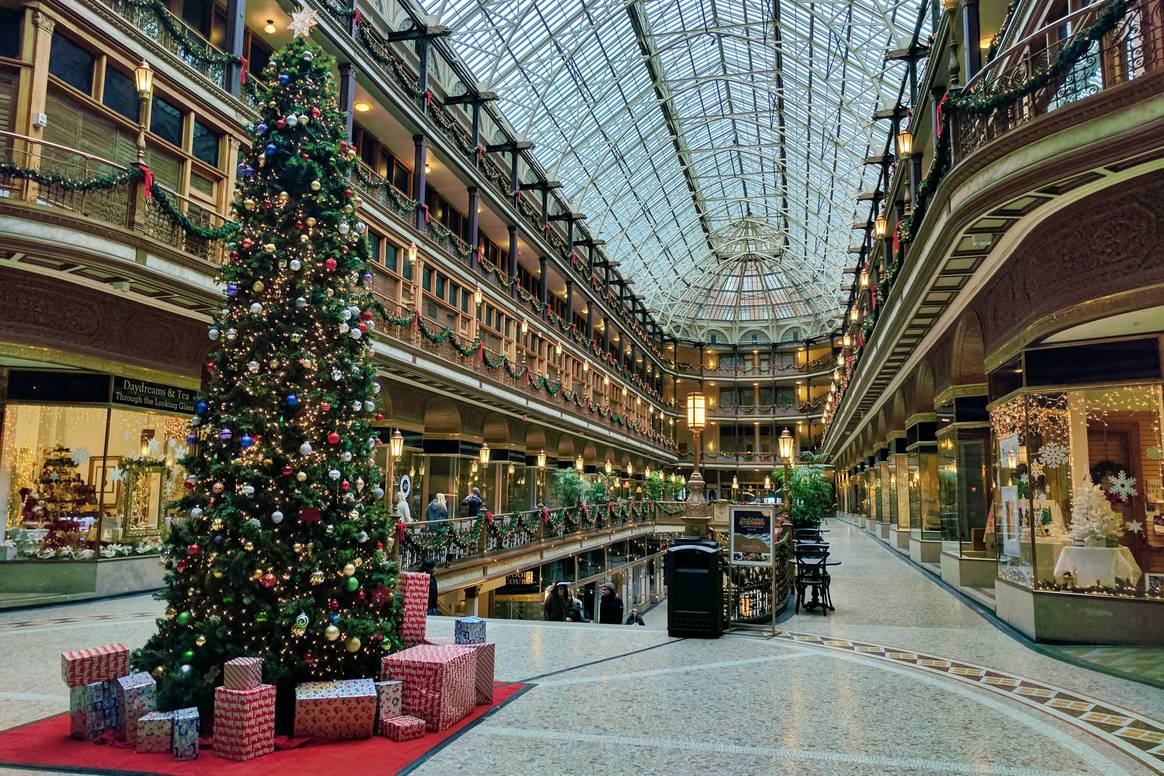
[152,396]
[751,535]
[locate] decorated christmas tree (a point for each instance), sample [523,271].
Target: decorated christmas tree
[285,552]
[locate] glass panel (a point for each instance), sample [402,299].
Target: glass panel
[10,26]
[206,144]
[71,63]
[166,121]
[120,94]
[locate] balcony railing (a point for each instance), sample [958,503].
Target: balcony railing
[462,539]
[123,206]
[721,370]
[763,410]
[175,36]
[1133,49]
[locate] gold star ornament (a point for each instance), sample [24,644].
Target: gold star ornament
[302,22]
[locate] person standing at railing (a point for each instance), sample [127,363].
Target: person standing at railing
[437,509]
[401,509]
[472,502]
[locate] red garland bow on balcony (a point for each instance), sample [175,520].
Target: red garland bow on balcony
[941,107]
[428,98]
[426,216]
[400,527]
[546,515]
[488,517]
[242,73]
[147,182]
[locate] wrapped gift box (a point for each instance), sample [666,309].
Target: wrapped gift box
[438,682]
[343,709]
[85,666]
[402,728]
[439,641]
[155,732]
[415,587]
[92,709]
[242,673]
[185,742]
[486,657]
[469,630]
[244,722]
[135,699]
[389,699]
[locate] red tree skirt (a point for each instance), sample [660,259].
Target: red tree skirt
[47,744]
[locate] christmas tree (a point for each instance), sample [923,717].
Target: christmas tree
[284,555]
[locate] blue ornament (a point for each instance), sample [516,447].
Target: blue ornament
[200,408]
[335,619]
[292,400]
[261,129]
[283,79]
[271,149]
[231,288]
[218,538]
[225,434]
[191,439]
[246,440]
[367,277]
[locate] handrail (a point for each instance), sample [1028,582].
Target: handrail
[999,61]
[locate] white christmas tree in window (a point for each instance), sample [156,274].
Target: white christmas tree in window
[1092,517]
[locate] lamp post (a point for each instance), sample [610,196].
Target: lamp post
[786,454]
[695,511]
[395,449]
[538,474]
[143,78]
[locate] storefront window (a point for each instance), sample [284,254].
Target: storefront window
[924,515]
[1079,478]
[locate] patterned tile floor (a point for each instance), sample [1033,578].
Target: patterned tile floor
[947,693]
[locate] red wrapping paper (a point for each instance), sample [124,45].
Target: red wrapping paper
[94,664]
[244,722]
[242,673]
[415,587]
[402,728]
[486,660]
[335,710]
[439,682]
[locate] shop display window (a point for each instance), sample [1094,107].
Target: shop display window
[962,490]
[1078,478]
[924,515]
[900,479]
[83,482]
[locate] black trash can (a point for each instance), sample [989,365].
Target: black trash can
[694,589]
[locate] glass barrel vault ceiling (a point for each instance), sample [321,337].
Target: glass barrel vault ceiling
[677,125]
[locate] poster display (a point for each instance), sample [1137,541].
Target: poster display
[752,526]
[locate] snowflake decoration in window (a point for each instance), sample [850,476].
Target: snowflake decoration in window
[1036,470]
[81,456]
[1024,479]
[1122,486]
[117,475]
[1053,455]
[1135,526]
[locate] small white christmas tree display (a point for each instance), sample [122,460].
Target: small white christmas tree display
[1092,518]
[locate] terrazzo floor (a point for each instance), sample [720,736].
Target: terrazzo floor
[626,699]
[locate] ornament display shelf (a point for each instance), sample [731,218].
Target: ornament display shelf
[46,745]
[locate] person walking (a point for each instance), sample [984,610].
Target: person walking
[557,603]
[401,509]
[610,607]
[472,502]
[634,618]
[438,509]
[429,567]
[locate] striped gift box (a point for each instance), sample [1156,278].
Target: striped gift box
[242,673]
[486,659]
[94,664]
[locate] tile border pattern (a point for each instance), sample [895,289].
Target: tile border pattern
[1133,733]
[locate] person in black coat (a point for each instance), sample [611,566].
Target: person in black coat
[610,608]
[429,567]
[634,618]
[557,603]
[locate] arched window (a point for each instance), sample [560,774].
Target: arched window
[754,337]
[795,334]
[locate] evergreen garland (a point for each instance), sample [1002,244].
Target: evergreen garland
[97,183]
[193,47]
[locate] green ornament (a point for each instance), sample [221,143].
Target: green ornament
[261,617]
[228,598]
[353,584]
[187,656]
[183,618]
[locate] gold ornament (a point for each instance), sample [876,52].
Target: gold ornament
[311,221]
[159,672]
[316,185]
[317,577]
[257,286]
[248,546]
[354,644]
[256,575]
[331,633]
[217,573]
[297,547]
[349,569]
[200,641]
[301,476]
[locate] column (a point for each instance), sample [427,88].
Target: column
[513,182]
[569,302]
[971,32]
[422,46]
[475,131]
[936,94]
[570,238]
[347,93]
[606,334]
[545,208]
[420,154]
[474,224]
[235,28]
[513,259]
[544,282]
[590,261]
[36,43]
[590,320]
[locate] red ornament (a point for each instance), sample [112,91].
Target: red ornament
[343,146]
[349,193]
[247,242]
[181,567]
[189,484]
[363,327]
[279,123]
[286,471]
[299,225]
[193,549]
[366,315]
[379,416]
[309,659]
[316,113]
[380,596]
[269,580]
[333,438]
[360,595]
[309,515]
[345,486]
[330,264]
[333,605]
[325,406]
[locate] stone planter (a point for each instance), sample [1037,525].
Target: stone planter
[82,578]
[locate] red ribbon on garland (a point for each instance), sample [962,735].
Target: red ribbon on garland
[356,17]
[546,515]
[148,181]
[938,113]
[242,73]
[426,216]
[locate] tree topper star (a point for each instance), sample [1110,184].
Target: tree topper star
[302,22]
